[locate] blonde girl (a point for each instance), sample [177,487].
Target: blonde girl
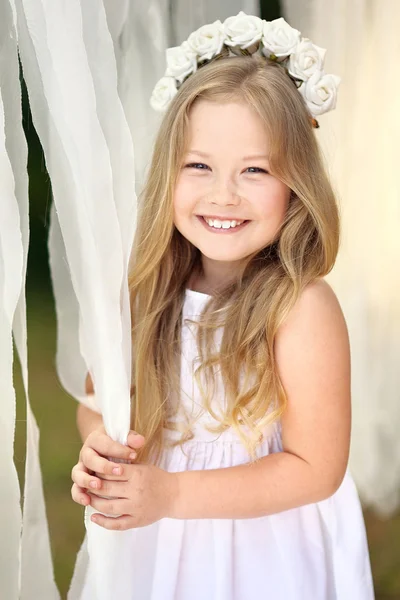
[237,484]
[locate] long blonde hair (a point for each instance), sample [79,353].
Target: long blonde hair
[266,289]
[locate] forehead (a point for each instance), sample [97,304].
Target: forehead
[226,126]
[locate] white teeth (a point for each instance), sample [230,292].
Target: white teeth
[222,224]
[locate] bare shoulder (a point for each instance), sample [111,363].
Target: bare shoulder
[317,304]
[315,330]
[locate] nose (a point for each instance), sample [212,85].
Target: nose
[224,194]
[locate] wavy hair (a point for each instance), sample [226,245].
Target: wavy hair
[268,285]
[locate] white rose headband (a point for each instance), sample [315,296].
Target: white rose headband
[246,35]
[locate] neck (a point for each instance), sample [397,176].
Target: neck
[218,274]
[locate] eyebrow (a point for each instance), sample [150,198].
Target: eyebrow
[252,157]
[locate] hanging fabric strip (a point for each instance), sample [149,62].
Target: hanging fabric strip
[140,33]
[361,157]
[11,265]
[31,573]
[89,157]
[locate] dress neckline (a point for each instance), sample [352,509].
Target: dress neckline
[194,293]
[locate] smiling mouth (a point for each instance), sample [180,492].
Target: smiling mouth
[222,230]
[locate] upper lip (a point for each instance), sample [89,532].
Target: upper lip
[222,218]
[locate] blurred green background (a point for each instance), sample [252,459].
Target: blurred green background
[55,410]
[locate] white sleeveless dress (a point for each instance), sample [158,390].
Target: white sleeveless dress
[315,552]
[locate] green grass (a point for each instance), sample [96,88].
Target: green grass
[60,445]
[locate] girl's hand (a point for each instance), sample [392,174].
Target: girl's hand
[141,495]
[93,466]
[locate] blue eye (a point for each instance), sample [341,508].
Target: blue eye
[258,170]
[195,165]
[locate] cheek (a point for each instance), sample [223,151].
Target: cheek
[177,203]
[273,203]
[183,199]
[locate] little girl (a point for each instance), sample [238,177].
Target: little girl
[236,485]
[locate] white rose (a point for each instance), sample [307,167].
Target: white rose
[306,59]
[320,92]
[181,61]
[207,41]
[279,38]
[164,90]
[243,30]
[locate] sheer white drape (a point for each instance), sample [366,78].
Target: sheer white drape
[140,33]
[69,66]
[25,558]
[90,68]
[11,282]
[360,140]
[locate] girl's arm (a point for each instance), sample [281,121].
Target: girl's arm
[87,420]
[313,359]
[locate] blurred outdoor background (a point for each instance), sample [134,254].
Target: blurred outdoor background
[55,410]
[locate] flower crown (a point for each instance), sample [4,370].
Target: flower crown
[247,35]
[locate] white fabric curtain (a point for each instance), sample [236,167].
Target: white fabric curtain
[90,67]
[140,33]
[25,559]
[11,282]
[89,156]
[360,141]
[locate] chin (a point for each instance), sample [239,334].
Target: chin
[223,256]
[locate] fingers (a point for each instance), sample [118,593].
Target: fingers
[115,506]
[84,483]
[112,489]
[114,523]
[135,440]
[83,479]
[100,465]
[78,495]
[104,445]
[93,468]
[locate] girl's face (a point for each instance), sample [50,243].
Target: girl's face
[224,175]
